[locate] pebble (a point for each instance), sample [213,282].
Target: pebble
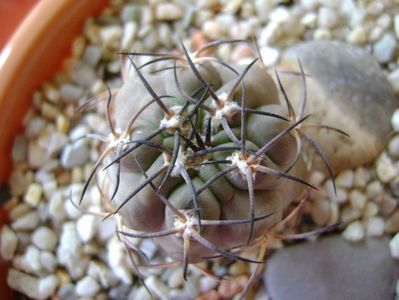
[357,199]
[36,155]
[111,35]
[357,35]
[48,261]
[375,226]
[27,222]
[19,150]
[87,226]
[157,287]
[368,98]
[92,55]
[207,283]
[31,259]
[31,286]
[71,92]
[288,277]
[56,207]
[362,176]
[394,246]
[175,279]
[168,12]
[149,248]
[87,287]
[229,288]
[345,179]
[370,210]
[211,29]
[327,18]
[387,205]
[395,120]
[374,190]
[392,223]
[269,56]
[129,34]
[56,142]
[76,154]
[385,168]
[44,238]
[384,48]
[309,20]
[8,242]
[354,232]
[83,74]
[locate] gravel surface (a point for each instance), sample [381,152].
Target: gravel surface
[57,248]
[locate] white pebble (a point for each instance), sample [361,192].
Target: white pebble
[354,232]
[87,287]
[327,18]
[357,35]
[44,238]
[263,9]
[321,34]
[76,154]
[384,48]
[87,227]
[269,56]
[32,258]
[34,194]
[393,147]
[357,199]
[362,176]
[110,35]
[48,261]
[168,12]
[395,120]
[374,190]
[394,246]
[48,286]
[393,78]
[212,29]
[70,92]
[396,25]
[207,283]
[345,179]
[375,226]
[26,222]
[129,34]
[385,168]
[56,208]
[157,287]
[8,243]
[33,287]
[370,210]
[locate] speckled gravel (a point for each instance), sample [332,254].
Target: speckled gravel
[57,248]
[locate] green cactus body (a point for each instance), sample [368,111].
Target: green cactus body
[190,160]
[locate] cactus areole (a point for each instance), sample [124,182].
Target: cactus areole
[202,156]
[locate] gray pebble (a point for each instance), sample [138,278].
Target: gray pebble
[19,148]
[330,268]
[384,48]
[346,89]
[75,154]
[92,55]
[393,147]
[131,12]
[83,74]
[70,92]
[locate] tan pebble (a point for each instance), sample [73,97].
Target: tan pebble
[370,210]
[387,205]
[64,178]
[63,277]
[392,224]
[374,190]
[19,211]
[357,199]
[198,39]
[349,214]
[241,51]
[229,288]
[62,123]
[238,268]
[362,176]
[321,211]
[77,175]
[34,194]
[49,111]
[51,92]
[78,47]
[385,168]
[210,295]
[345,179]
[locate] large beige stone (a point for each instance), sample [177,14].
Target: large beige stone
[347,90]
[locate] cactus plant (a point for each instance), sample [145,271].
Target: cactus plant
[202,155]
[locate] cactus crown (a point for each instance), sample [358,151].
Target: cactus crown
[202,156]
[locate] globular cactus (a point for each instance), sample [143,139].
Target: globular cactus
[203,156]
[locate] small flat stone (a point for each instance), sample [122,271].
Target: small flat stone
[75,154]
[19,148]
[384,48]
[8,243]
[346,89]
[44,238]
[28,221]
[331,268]
[87,226]
[71,92]
[168,12]
[354,232]
[87,287]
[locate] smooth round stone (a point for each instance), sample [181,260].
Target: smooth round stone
[346,89]
[330,269]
